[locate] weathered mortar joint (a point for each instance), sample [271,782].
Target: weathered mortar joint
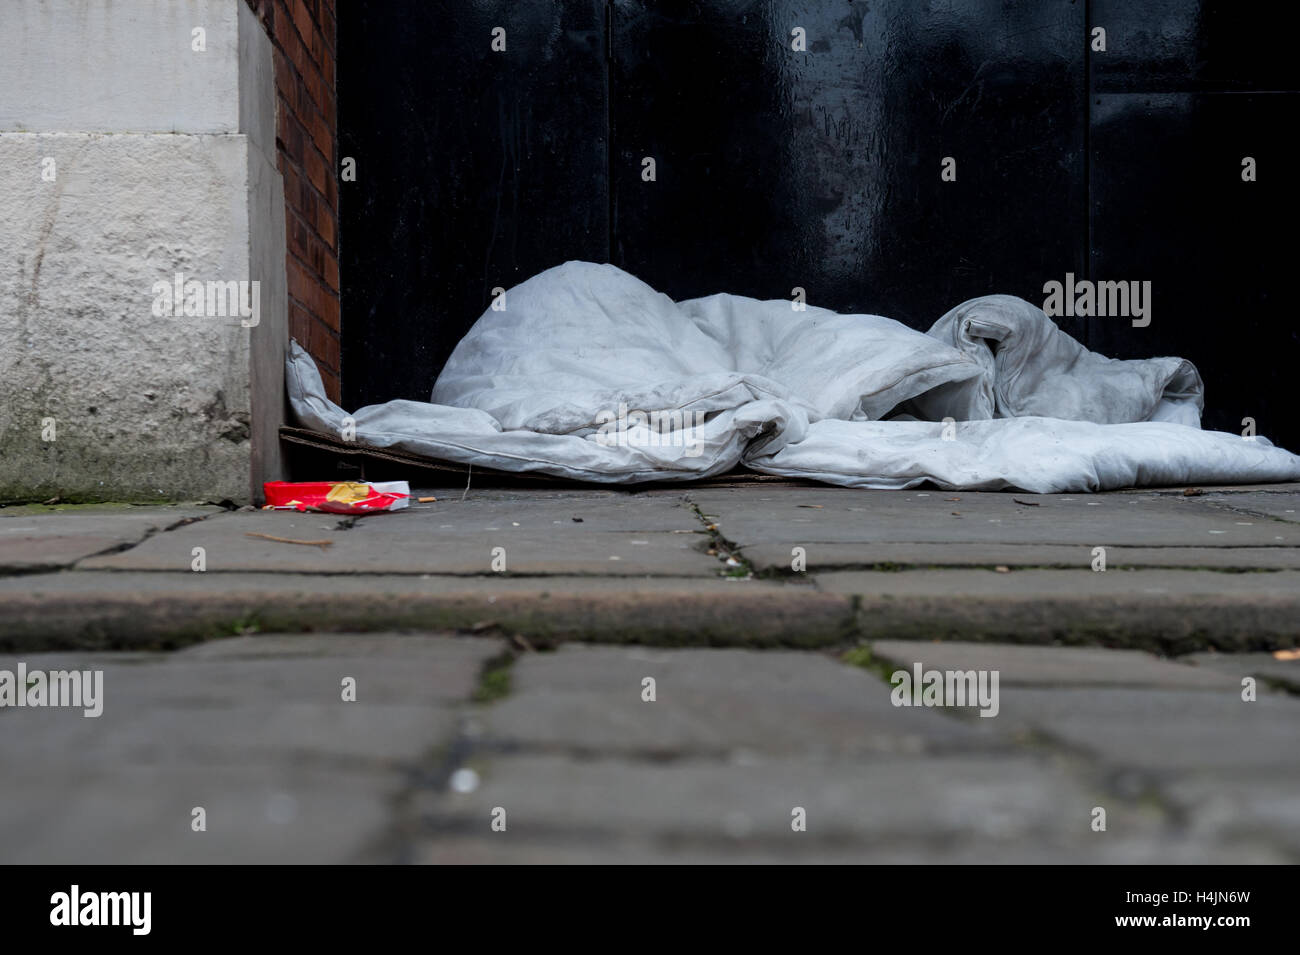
[734,563]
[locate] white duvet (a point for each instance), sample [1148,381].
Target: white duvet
[586,372]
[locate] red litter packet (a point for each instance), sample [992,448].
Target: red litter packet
[336,497]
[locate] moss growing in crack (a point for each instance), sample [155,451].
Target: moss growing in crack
[861,656]
[1277,684]
[494,681]
[242,626]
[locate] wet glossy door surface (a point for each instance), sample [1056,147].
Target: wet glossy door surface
[822,169]
[1184,93]
[476,168]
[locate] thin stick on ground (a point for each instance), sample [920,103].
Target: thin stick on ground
[289,540]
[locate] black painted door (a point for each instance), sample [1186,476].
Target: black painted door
[1184,93]
[887,156]
[481,159]
[822,167]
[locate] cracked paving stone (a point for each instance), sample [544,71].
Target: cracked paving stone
[619,535]
[1278,505]
[33,537]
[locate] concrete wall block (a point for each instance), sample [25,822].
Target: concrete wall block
[114,66]
[100,396]
[142,405]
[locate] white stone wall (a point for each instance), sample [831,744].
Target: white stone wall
[127,156]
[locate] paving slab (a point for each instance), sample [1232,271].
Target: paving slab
[1053,666]
[1282,487]
[452,655]
[822,557]
[81,659]
[608,510]
[887,799]
[858,522]
[1172,611]
[613,535]
[1165,731]
[429,670]
[1237,665]
[621,850]
[733,703]
[259,813]
[327,734]
[141,610]
[1085,582]
[1236,807]
[208,710]
[36,537]
[1279,504]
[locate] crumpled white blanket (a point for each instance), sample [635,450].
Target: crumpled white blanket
[585,372]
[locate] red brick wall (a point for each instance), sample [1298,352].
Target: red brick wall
[306,139]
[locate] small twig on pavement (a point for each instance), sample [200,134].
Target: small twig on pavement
[289,540]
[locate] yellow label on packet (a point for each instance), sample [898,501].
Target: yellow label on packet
[349,492]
